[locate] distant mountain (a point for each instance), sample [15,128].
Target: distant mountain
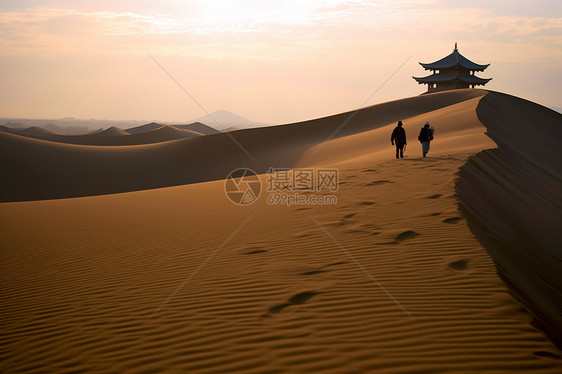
[227,120]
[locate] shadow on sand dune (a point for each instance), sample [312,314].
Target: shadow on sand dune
[511,197]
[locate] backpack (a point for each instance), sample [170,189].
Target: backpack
[423,137]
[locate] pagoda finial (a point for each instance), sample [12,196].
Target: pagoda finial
[456,49]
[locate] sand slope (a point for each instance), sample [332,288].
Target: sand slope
[512,196]
[37,169]
[179,279]
[264,288]
[457,126]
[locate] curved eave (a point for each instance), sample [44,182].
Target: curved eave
[453,60]
[440,78]
[434,66]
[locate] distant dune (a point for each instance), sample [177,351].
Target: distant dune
[112,131]
[199,127]
[83,171]
[196,127]
[30,131]
[144,128]
[116,137]
[103,270]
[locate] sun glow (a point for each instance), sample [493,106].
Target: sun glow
[327,53]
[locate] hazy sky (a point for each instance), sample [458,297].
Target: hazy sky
[270,61]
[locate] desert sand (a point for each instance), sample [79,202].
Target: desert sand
[112,136]
[133,259]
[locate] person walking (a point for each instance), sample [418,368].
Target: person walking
[399,137]
[425,137]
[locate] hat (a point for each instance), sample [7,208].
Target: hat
[399,123]
[426,124]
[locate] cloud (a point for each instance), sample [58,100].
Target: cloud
[327,53]
[250,27]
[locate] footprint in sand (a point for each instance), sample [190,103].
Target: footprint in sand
[435,214]
[321,269]
[348,216]
[547,354]
[277,308]
[366,203]
[459,264]
[403,236]
[406,235]
[379,182]
[302,297]
[452,220]
[255,251]
[313,272]
[436,196]
[298,299]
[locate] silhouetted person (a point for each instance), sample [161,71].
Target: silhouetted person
[425,137]
[399,137]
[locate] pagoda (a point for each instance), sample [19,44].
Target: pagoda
[452,72]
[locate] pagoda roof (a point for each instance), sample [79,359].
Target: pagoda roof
[454,59]
[437,78]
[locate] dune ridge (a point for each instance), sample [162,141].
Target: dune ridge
[31,165]
[143,128]
[179,279]
[199,127]
[512,197]
[116,137]
[33,131]
[111,131]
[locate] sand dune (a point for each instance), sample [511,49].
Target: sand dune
[114,136]
[512,196]
[457,126]
[112,131]
[82,171]
[117,137]
[33,131]
[198,127]
[144,128]
[179,279]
